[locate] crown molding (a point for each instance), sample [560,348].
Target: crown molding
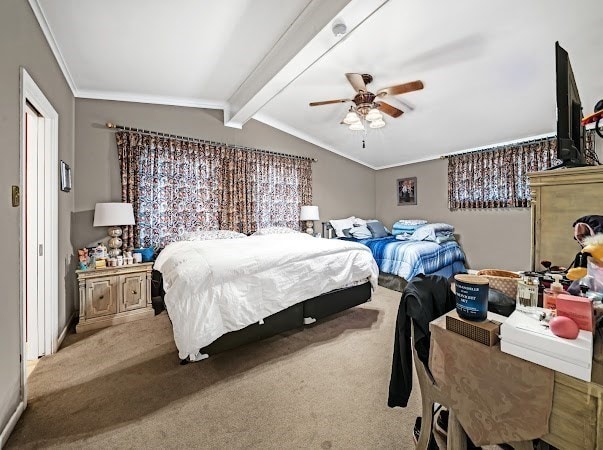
[468,150]
[154,99]
[56,51]
[413,161]
[304,136]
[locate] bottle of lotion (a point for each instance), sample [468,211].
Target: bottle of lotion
[550,295]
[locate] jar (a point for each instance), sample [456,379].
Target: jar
[527,294]
[472,296]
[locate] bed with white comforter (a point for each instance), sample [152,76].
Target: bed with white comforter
[216,286]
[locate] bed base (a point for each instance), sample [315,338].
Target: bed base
[396,283]
[295,316]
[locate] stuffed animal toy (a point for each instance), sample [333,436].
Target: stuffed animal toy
[83,258]
[593,249]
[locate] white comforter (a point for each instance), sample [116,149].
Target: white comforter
[213,287]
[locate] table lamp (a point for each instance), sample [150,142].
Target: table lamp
[309,214]
[114,216]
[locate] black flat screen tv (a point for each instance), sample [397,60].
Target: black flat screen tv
[570,132]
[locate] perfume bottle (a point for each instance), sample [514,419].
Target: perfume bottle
[527,294]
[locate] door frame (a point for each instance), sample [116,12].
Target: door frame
[30,92]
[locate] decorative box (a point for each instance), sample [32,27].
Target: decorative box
[524,336]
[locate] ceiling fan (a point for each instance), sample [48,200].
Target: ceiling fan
[366,107]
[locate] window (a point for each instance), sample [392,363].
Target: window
[497,178]
[177,186]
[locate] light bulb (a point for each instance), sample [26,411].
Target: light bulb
[357,126]
[351,118]
[373,114]
[377,123]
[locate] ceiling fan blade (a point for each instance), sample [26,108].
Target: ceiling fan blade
[357,81]
[389,109]
[400,88]
[328,102]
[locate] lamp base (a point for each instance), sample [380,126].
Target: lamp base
[115,242]
[310,227]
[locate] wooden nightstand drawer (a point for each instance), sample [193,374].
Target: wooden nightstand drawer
[133,292]
[101,294]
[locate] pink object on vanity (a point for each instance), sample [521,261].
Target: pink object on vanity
[579,309]
[564,327]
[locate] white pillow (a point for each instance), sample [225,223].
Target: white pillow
[206,235]
[342,224]
[274,230]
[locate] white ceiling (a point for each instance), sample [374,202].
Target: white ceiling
[488,67]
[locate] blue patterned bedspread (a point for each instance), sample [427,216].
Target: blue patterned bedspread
[407,259]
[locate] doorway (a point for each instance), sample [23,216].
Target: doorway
[38,238]
[39,222]
[35,184]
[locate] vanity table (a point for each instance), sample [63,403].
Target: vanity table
[559,197]
[576,419]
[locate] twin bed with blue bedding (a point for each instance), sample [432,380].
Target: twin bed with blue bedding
[415,247]
[407,259]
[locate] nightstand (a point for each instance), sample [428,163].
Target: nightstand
[113,295]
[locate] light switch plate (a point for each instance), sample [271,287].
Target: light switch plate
[16,196]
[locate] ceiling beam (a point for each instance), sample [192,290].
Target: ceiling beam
[307,39]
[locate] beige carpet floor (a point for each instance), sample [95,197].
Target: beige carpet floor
[324,386]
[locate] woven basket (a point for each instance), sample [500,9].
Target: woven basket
[503,280]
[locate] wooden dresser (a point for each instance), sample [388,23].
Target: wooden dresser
[559,197]
[114,295]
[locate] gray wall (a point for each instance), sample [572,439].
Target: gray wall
[23,44]
[498,239]
[340,187]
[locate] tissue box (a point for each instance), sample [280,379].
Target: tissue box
[579,309]
[524,336]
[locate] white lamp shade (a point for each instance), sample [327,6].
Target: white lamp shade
[351,118]
[309,213]
[373,114]
[113,214]
[379,123]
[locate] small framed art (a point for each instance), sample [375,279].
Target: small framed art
[407,191]
[65,177]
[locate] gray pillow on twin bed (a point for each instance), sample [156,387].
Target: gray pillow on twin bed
[360,232]
[346,232]
[377,229]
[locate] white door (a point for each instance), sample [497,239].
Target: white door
[34,234]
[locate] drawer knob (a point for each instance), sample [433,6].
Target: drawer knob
[134,292]
[101,297]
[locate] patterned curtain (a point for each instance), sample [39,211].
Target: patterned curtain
[237,199]
[177,186]
[498,178]
[171,184]
[282,186]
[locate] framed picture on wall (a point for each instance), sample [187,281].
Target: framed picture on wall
[65,177]
[407,191]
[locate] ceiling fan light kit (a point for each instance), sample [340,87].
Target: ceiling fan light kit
[377,124]
[373,115]
[351,118]
[365,107]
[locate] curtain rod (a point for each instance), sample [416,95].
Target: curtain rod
[502,145]
[113,126]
